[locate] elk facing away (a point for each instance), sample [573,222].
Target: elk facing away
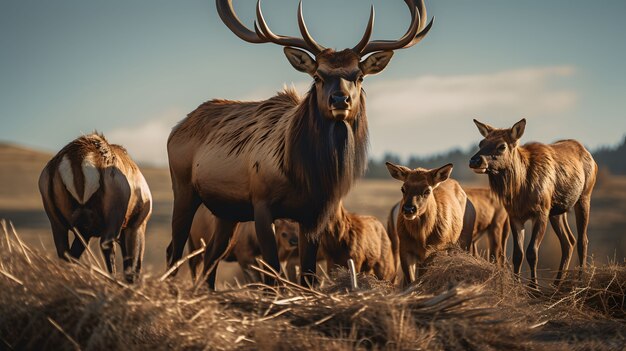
[492,219]
[245,247]
[285,157]
[94,187]
[433,213]
[361,238]
[538,182]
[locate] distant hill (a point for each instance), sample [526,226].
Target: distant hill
[612,159]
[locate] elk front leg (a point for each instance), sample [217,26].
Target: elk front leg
[307,248]
[263,224]
[581,209]
[539,230]
[469,220]
[223,233]
[517,228]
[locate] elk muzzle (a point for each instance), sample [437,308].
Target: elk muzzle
[478,164]
[340,104]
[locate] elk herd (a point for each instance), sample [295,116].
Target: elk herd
[267,178]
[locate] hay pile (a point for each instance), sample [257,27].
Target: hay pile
[461,303]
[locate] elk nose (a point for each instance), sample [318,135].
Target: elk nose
[293,241]
[475,161]
[340,99]
[409,209]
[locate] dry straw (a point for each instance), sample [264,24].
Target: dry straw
[460,303]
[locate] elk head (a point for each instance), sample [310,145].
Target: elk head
[418,186]
[287,233]
[496,148]
[338,75]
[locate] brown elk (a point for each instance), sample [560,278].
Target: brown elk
[492,219]
[538,182]
[433,213]
[362,239]
[95,188]
[285,157]
[245,246]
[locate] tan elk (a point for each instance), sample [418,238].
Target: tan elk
[362,239]
[245,247]
[95,188]
[492,220]
[286,157]
[540,183]
[434,212]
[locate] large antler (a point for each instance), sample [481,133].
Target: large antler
[262,32]
[416,32]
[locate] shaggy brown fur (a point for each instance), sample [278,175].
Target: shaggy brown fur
[245,247]
[362,239]
[94,187]
[538,182]
[431,215]
[492,219]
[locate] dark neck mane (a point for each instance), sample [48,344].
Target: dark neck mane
[324,158]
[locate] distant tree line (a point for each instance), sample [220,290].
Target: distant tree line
[611,159]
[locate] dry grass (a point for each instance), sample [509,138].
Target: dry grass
[461,303]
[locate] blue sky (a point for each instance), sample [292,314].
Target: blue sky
[132,69]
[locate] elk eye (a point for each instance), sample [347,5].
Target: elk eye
[284,235]
[317,78]
[501,147]
[426,192]
[360,79]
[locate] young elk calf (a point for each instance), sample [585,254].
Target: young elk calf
[491,218]
[538,182]
[245,247]
[361,238]
[432,214]
[94,187]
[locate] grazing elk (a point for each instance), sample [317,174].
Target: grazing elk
[492,219]
[96,188]
[245,246]
[538,182]
[285,157]
[361,238]
[433,213]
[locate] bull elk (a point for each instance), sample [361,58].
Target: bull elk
[538,182]
[361,238]
[96,188]
[491,219]
[285,157]
[245,247]
[433,213]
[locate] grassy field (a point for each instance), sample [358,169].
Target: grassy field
[20,202]
[461,303]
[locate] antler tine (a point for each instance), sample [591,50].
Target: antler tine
[410,38]
[315,48]
[230,19]
[423,29]
[263,29]
[368,33]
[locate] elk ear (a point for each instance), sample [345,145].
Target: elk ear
[376,62]
[441,174]
[518,129]
[483,128]
[300,60]
[397,172]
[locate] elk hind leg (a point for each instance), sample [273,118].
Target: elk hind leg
[581,209]
[263,224]
[186,203]
[133,246]
[558,224]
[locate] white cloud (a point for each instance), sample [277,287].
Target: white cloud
[418,115]
[147,142]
